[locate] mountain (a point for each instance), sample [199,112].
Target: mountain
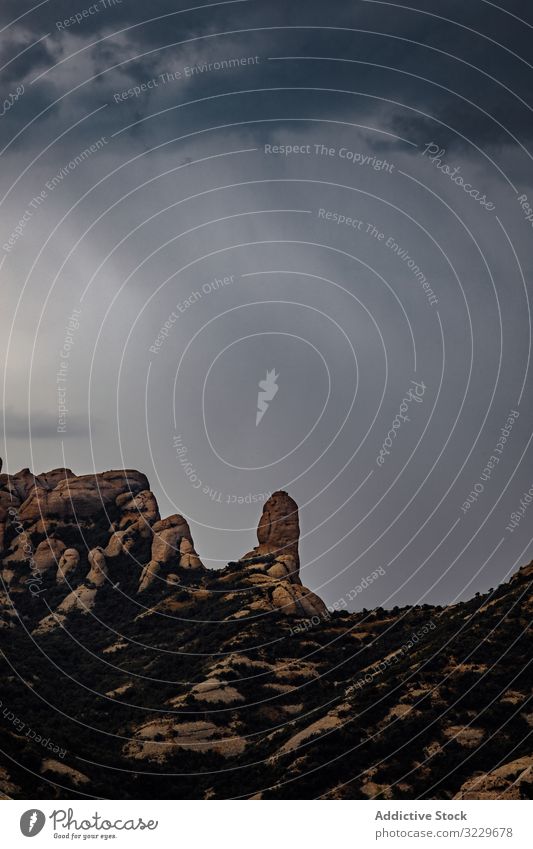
[129,670]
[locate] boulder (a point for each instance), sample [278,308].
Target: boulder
[140,509]
[48,554]
[68,563]
[284,567]
[97,574]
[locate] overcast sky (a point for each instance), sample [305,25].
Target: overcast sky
[192,199]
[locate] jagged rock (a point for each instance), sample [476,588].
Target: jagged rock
[20,484]
[168,534]
[44,557]
[82,598]
[274,564]
[68,563]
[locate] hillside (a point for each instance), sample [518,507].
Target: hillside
[129,670]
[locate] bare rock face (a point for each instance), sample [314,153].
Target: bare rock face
[148,575]
[83,598]
[173,540]
[48,554]
[132,531]
[68,563]
[53,523]
[278,534]
[137,509]
[188,557]
[278,531]
[172,545]
[77,498]
[98,572]
[274,564]
[50,522]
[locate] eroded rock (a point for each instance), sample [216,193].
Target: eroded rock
[67,564]
[172,546]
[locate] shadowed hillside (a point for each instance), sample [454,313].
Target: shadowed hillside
[129,670]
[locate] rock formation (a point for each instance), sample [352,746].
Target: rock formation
[67,564]
[119,649]
[275,564]
[98,571]
[172,547]
[278,534]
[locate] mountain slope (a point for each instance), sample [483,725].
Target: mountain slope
[130,670]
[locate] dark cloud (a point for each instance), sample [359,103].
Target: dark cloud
[424,59]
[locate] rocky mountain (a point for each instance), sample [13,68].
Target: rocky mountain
[129,670]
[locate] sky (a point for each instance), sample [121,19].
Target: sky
[330,200]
